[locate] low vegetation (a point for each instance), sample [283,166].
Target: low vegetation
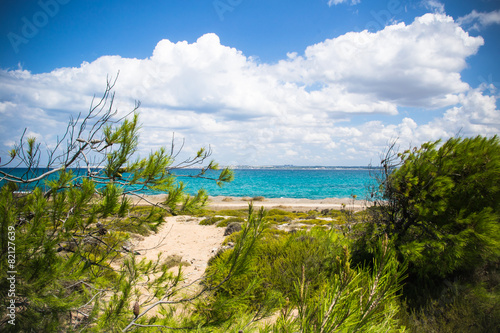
[427,252]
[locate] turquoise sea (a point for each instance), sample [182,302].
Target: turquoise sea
[310,183]
[298,182]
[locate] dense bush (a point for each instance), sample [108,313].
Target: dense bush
[440,208]
[468,308]
[445,205]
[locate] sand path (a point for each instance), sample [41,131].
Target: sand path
[183,236]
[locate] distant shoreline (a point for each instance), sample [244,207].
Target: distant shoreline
[312,182]
[298,167]
[289,204]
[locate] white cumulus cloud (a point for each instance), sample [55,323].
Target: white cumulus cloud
[316,107]
[410,65]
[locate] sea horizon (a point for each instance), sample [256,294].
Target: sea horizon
[279,181]
[300,167]
[238,166]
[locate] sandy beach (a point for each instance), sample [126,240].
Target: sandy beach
[290,204]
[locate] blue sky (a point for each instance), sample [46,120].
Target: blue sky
[324,82]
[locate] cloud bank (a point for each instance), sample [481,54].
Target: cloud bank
[338,103]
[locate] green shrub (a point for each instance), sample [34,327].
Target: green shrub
[441,211]
[211,220]
[353,300]
[278,260]
[225,222]
[459,308]
[444,205]
[316,222]
[231,238]
[311,272]
[280,216]
[141,220]
[275,211]
[243,213]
